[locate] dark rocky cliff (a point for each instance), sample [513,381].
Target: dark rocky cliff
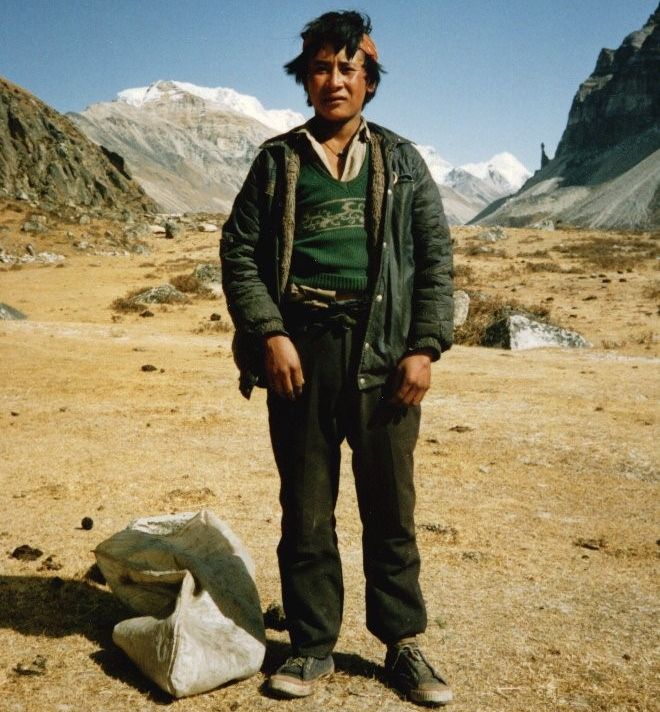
[45,158]
[621,98]
[606,170]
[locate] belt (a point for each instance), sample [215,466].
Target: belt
[348,296]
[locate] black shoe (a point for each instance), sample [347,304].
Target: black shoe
[408,670]
[297,676]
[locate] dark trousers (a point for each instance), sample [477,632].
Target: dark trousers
[306,435]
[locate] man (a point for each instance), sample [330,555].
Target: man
[337,272]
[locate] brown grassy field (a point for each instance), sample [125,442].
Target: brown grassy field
[537,519]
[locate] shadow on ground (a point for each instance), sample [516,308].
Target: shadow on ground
[55,607]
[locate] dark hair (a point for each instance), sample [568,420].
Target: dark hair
[339,29]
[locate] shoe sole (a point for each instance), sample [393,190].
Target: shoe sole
[431,697]
[286,686]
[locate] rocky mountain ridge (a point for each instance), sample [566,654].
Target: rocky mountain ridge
[606,170]
[44,158]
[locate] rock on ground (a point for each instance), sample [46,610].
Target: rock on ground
[519,331]
[461,307]
[8,313]
[163,294]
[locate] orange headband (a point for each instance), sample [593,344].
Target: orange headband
[366,45]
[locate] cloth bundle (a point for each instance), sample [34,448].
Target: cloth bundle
[192,582]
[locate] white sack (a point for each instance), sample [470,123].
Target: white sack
[192,580]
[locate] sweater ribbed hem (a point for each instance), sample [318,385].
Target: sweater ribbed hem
[337,282]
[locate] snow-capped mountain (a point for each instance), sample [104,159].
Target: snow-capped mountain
[468,189]
[190,148]
[438,166]
[218,99]
[504,171]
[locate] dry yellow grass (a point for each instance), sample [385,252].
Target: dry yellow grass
[558,455]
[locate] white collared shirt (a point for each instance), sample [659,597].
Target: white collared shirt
[355,155]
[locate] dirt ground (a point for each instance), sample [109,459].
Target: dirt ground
[537,515]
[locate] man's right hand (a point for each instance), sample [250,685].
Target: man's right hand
[283,370]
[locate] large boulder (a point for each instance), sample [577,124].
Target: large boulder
[517,331]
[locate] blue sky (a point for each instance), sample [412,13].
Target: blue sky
[470,77]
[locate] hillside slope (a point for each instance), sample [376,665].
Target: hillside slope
[45,158]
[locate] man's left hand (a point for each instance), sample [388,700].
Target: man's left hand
[412,379]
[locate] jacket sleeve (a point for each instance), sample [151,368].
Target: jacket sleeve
[248,256]
[432,322]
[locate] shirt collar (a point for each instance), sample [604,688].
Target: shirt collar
[363,133]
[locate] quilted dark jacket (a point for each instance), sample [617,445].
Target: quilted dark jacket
[411,303]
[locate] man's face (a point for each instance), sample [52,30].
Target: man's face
[337,85]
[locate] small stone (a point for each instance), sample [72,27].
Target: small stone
[592,544]
[215,317]
[87,523]
[148,367]
[207,227]
[460,429]
[84,220]
[36,667]
[448,533]
[26,553]
[492,234]
[33,226]
[49,564]
[173,230]
[208,272]
[146,313]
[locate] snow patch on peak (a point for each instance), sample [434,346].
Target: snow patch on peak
[501,166]
[438,166]
[217,98]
